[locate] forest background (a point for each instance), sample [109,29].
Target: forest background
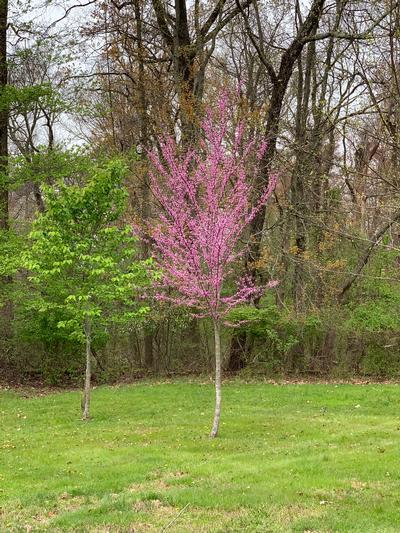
[89,86]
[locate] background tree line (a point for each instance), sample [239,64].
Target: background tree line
[318,81]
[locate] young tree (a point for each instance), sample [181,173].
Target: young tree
[83,263]
[207,202]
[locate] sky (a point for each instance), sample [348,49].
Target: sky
[55,18]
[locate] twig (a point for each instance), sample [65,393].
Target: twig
[175,519]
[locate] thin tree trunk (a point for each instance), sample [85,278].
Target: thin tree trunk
[217,414]
[148,350]
[148,356]
[88,373]
[237,352]
[37,193]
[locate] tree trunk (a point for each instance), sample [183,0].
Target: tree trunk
[148,350]
[301,173]
[237,352]
[217,414]
[6,312]
[88,373]
[4,116]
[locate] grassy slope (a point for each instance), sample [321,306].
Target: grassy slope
[289,458]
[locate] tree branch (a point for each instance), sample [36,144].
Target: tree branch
[161,16]
[269,67]
[367,253]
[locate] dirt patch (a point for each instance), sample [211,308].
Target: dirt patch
[291,513]
[358,485]
[186,518]
[67,502]
[154,485]
[160,482]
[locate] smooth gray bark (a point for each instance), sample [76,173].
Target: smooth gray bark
[218,398]
[88,372]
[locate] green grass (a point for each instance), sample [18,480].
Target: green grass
[314,458]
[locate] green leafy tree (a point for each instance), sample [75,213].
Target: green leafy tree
[83,262]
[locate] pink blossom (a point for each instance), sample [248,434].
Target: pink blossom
[207,200]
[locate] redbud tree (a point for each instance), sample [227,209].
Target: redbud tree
[207,199]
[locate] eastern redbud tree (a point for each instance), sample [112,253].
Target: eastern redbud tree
[206,197]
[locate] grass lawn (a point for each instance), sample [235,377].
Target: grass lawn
[313,458]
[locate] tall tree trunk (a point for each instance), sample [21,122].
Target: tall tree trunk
[183,66]
[88,372]
[148,358]
[218,372]
[7,309]
[3,116]
[301,172]
[280,82]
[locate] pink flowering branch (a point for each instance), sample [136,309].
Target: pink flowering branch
[206,197]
